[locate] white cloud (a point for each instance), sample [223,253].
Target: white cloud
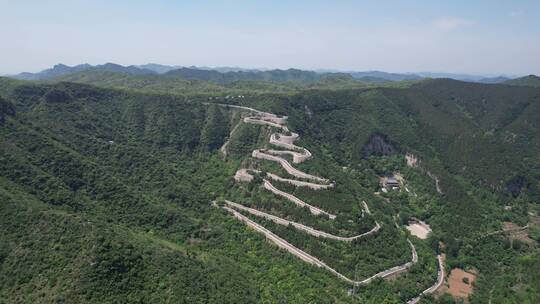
[449,23]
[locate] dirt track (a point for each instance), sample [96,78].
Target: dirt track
[502,231]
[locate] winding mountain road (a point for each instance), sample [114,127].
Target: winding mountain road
[306,257]
[299,154]
[244,175]
[314,210]
[434,287]
[287,166]
[307,229]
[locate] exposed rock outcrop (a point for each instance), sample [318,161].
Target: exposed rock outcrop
[515,185]
[379,145]
[414,162]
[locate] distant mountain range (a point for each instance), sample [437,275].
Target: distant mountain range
[225,75]
[385,76]
[228,77]
[158,68]
[499,79]
[62,69]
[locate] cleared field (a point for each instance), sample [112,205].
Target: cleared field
[456,285]
[419,230]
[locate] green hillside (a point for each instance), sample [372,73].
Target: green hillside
[293,75]
[106,189]
[528,81]
[472,130]
[181,85]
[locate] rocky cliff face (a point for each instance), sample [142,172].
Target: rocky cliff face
[516,185]
[379,145]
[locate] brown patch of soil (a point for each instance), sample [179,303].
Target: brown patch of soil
[455,285]
[522,235]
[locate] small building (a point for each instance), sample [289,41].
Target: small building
[391,183]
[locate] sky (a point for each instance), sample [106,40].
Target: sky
[476,37]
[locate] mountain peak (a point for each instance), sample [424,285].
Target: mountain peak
[60,66]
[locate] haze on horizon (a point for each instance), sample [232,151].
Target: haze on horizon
[484,37]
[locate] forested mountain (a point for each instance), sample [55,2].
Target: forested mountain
[173,84]
[293,75]
[386,76]
[158,68]
[499,79]
[227,75]
[56,71]
[372,79]
[106,188]
[61,69]
[218,75]
[529,81]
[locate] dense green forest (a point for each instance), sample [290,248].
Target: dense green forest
[181,84]
[106,183]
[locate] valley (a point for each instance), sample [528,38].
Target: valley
[298,219]
[270,152]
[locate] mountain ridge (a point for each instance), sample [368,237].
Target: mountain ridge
[230,74]
[529,80]
[62,69]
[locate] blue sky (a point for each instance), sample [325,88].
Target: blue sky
[478,37]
